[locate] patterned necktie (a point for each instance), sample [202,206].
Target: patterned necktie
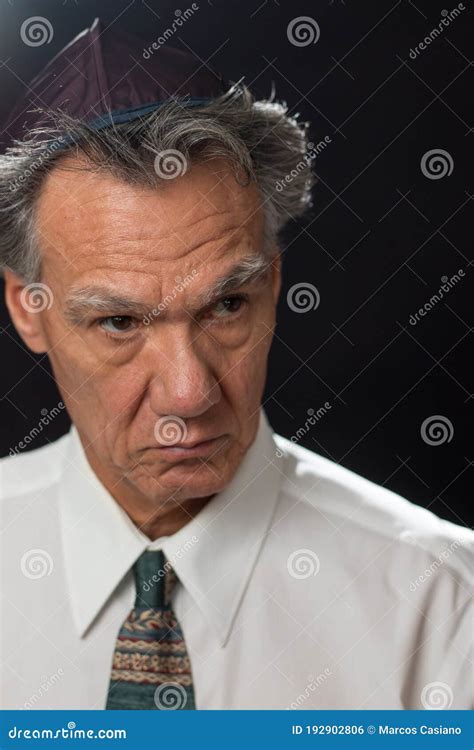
[151,667]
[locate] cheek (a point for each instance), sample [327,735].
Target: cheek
[245,375]
[94,390]
[241,369]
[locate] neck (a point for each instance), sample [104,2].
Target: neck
[155,522]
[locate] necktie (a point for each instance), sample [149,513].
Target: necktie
[151,667]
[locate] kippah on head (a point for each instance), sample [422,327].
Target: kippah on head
[101,77]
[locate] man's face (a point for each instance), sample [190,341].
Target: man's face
[154,362]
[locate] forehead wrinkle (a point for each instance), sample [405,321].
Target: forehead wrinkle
[219,234]
[83,300]
[190,224]
[126,247]
[102,236]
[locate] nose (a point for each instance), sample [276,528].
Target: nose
[184,385]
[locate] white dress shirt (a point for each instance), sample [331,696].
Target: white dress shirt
[302,585]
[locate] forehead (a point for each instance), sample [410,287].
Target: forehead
[90,220]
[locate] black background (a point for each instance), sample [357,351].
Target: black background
[376,243]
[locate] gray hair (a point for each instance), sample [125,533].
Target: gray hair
[259,139]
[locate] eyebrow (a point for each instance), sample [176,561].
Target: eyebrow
[97,299]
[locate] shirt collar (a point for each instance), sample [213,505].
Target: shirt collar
[213,555]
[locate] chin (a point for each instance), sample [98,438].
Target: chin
[196,479]
[187,478]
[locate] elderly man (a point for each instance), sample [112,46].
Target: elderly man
[171,551]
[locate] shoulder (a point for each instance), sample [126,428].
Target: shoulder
[372,516]
[33,471]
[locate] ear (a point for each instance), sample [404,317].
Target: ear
[26,304]
[276,277]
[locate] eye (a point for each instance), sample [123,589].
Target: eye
[118,324]
[228,306]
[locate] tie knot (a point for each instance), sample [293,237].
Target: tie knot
[154,580]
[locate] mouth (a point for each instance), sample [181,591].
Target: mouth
[192,449]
